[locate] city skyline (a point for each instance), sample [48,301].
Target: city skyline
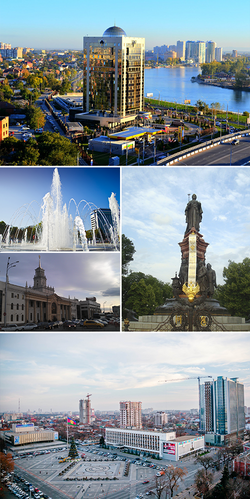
[154,202]
[51,371]
[76,275]
[65,28]
[27,187]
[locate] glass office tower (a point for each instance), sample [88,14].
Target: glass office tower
[113,73]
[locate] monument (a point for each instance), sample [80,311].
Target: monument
[192,306]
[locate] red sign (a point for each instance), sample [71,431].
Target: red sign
[169,448]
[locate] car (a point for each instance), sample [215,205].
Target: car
[146,481]
[92,324]
[235,142]
[24,128]
[11,327]
[69,325]
[30,326]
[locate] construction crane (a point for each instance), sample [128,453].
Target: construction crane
[89,395]
[193,377]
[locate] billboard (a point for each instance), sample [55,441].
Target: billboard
[55,435]
[168,448]
[16,440]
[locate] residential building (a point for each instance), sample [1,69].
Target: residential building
[85,411]
[130,414]
[218,54]
[210,52]
[206,407]
[4,127]
[181,49]
[196,51]
[160,418]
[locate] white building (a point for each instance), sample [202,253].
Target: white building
[166,445]
[160,418]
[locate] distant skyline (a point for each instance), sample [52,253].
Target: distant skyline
[55,25]
[23,189]
[78,275]
[54,371]
[153,215]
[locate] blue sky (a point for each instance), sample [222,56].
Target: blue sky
[60,25]
[77,275]
[153,215]
[22,186]
[54,371]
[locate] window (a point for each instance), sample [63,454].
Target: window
[11,306]
[12,295]
[17,306]
[11,318]
[17,318]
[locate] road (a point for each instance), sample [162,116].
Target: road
[225,154]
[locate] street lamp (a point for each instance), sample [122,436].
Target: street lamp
[8,267]
[104,307]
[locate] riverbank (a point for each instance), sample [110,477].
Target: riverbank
[174,85]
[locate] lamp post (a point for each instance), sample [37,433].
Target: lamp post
[8,267]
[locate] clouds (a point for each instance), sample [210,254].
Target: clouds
[75,274]
[57,369]
[154,201]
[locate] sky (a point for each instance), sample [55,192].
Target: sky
[60,25]
[23,189]
[78,275]
[54,371]
[153,215]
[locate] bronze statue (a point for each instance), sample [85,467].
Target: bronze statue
[193,214]
[211,277]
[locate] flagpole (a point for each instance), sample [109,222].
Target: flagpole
[67,435]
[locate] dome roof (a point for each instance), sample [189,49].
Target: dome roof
[114,31]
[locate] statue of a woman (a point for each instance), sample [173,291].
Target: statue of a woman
[193,214]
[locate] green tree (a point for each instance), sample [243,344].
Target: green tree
[141,298]
[56,150]
[128,251]
[35,117]
[235,293]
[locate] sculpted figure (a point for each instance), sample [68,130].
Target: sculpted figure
[193,214]
[211,276]
[202,277]
[183,274]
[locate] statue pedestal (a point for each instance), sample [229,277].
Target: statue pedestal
[201,245]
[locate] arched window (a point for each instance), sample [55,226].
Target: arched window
[11,306]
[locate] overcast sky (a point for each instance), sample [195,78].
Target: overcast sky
[23,190]
[153,208]
[78,275]
[53,371]
[59,25]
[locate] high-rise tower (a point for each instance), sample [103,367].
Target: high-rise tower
[113,73]
[130,414]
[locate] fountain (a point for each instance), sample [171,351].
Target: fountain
[56,230]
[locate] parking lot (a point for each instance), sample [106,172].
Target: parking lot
[97,474]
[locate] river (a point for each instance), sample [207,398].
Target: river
[174,85]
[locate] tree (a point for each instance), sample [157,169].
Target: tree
[73,450]
[141,298]
[235,293]
[35,117]
[160,485]
[128,251]
[172,476]
[203,480]
[206,461]
[56,150]
[6,462]
[102,441]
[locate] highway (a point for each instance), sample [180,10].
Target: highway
[225,154]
